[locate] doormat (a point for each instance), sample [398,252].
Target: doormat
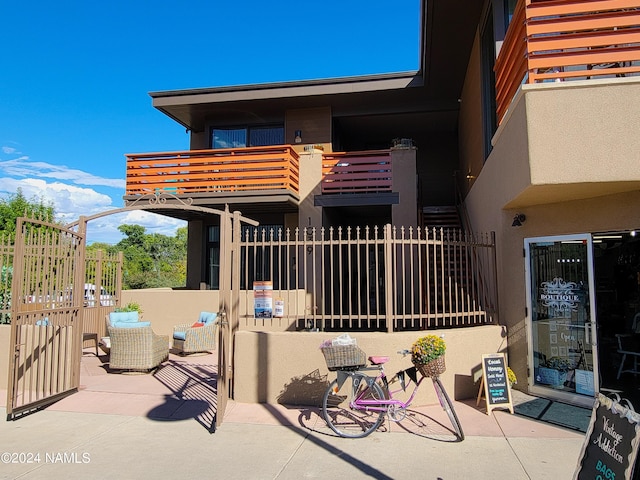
[557,413]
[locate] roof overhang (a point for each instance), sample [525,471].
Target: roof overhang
[447,32]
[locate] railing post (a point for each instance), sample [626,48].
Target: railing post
[388,277]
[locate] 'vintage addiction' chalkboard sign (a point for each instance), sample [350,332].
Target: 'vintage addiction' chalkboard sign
[611,443]
[497,389]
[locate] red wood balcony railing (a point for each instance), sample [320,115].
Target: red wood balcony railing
[357,172]
[561,40]
[214,171]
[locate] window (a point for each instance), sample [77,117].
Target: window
[247,137]
[262,136]
[229,138]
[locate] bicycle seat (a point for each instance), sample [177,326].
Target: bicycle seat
[378,360]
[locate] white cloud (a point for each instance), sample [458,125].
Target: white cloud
[71,201]
[23,167]
[68,189]
[105,229]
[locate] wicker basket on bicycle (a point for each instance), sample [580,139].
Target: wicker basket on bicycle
[427,354]
[344,357]
[434,368]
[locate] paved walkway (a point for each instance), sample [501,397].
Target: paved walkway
[162,430]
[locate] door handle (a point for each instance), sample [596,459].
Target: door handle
[588,333]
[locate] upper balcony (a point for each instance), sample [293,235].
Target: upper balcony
[357,172]
[564,40]
[568,95]
[255,175]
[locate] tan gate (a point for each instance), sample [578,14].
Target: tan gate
[46,312]
[229,321]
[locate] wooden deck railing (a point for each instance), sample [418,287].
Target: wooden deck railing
[561,40]
[214,171]
[357,172]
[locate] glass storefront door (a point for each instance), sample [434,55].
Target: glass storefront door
[561,318]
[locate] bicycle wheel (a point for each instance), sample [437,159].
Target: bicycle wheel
[348,421]
[446,404]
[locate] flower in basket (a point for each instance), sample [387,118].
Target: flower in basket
[426,349]
[511,376]
[558,363]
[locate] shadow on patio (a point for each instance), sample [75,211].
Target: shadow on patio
[194,392]
[181,388]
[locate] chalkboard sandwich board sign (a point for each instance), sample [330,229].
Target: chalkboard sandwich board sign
[611,443]
[495,383]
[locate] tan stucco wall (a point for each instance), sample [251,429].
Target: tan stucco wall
[561,157]
[584,132]
[569,141]
[470,123]
[314,123]
[289,367]
[310,177]
[165,308]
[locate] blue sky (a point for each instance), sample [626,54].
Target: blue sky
[76,76]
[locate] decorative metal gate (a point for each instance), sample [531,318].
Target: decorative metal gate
[229,321]
[229,290]
[46,312]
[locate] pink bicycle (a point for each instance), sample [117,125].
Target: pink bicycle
[355,403]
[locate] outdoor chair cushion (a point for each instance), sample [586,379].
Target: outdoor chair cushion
[196,337]
[130,324]
[179,335]
[123,317]
[207,318]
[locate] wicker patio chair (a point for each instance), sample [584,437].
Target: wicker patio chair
[136,349]
[188,338]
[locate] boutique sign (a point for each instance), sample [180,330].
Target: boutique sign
[560,297]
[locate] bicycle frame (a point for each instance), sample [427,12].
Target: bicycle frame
[381,405]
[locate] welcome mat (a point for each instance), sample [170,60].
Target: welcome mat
[557,413]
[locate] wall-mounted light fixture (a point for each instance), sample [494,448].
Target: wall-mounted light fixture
[298,138]
[518,220]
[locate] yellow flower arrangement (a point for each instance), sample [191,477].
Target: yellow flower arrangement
[427,348]
[511,376]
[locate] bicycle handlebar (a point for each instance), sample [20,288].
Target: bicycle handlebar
[404,353]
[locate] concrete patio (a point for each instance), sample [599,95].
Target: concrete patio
[159,424]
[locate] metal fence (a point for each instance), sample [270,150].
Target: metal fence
[6,274]
[101,291]
[371,279]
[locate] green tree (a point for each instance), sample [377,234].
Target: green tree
[17,205]
[11,208]
[153,260]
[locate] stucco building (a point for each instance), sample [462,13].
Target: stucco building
[522,119]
